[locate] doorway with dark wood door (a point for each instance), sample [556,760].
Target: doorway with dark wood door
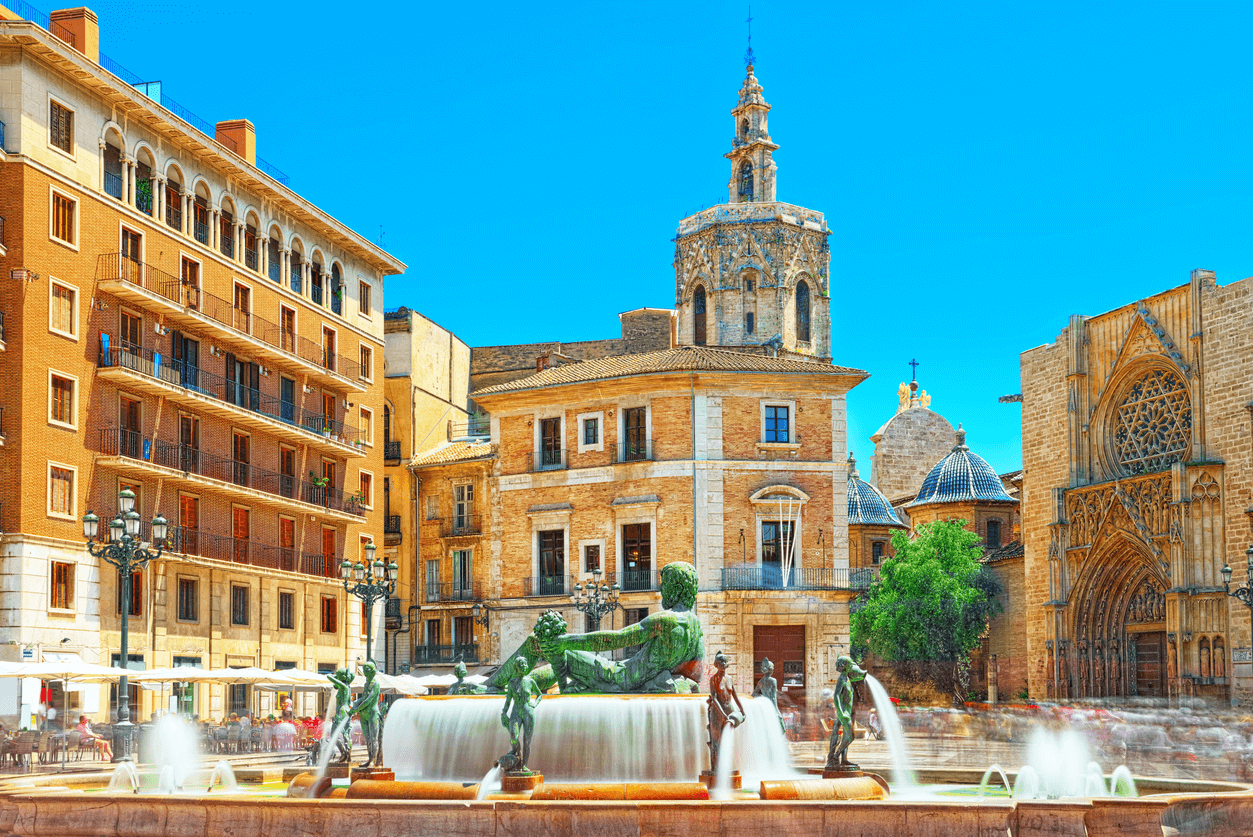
[785,646]
[1151,664]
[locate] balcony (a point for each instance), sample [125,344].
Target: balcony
[250,258]
[276,271]
[637,580]
[143,196]
[461,526]
[131,452]
[634,450]
[205,392]
[200,230]
[478,427]
[435,655]
[546,460]
[391,450]
[226,245]
[173,216]
[392,613]
[113,184]
[391,524]
[770,577]
[193,542]
[454,592]
[547,585]
[187,305]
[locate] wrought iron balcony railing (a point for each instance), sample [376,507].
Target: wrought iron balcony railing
[113,184]
[192,541]
[223,312]
[276,271]
[201,231]
[474,428]
[391,450]
[638,579]
[391,524]
[173,216]
[461,525]
[547,585]
[250,258]
[143,196]
[445,654]
[546,460]
[132,444]
[634,450]
[464,592]
[772,577]
[226,244]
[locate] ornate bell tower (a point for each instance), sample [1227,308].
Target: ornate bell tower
[753,171]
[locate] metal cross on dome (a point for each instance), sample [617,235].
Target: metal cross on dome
[914,363]
[749,59]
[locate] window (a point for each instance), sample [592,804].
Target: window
[243,308]
[552,563]
[777,423]
[62,311]
[364,620]
[698,321]
[993,539]
[876,552]
[188,599]
[137,593]
[286,616]
[367,364]
[61,400]
[242,451]
[746,180]
[591,431]
[591,557]
[131,258]
[239,604]
[64,228]
[749,284]
[287,543]
[635,441]
[129,327]
[241,532]
[191,282]
[367,426]
[550,443]
[328,348]
[287,328]
[637,556]
[61,127]
[330,614]
[365,299]
[61,589]
[367,489]
[802,311]
[61,491]
[432,507]
[432,580]
[778,547]
[463,508]
[748,322]
[463,574]
[433,633]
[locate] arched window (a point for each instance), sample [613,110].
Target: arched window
[744,129]
[802,311]
[746,180]
[698,307]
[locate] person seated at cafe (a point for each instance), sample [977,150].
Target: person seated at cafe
[98,741]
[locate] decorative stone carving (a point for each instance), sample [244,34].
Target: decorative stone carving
[1152,425]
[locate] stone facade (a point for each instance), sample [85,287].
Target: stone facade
[1138,455]
[906,447]
[177,322]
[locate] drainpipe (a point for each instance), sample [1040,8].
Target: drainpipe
[691,383]
[417,559]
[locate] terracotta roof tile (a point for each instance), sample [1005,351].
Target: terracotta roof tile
[454,452]
[679,359]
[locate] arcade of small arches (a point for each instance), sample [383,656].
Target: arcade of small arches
[802,309]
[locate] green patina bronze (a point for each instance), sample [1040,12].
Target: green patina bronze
[522,695]
[367,709]
[342,681]
[723,708]
[670,656]
[842,734]
[768,688]
[461,687]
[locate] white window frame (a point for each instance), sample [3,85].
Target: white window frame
[252,301]
[600,435]
[366,310]
[52,193]
[368,502]
[73,379]
[367,370]
[767,508]
[550,521]
[72,153]
[73,608]
[583,572]
[73,515]
[792,435]
[648,425]
[54,283]
[627,515]
[535,440]
[362,412]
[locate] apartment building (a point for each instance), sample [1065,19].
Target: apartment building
[177,321]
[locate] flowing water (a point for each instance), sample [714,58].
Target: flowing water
[490,783]
[224,775]
[1058,766]
[904,781]
[726,765]
[328,749]
[125,777]
[604,738]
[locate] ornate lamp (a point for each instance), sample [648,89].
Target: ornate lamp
[1244,593]
[369,581]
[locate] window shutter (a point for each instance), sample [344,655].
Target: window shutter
[176,344]
[254,397]
[230,378]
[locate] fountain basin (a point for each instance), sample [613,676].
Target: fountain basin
[859,786]
[626,791]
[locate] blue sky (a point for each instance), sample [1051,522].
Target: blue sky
[986,169]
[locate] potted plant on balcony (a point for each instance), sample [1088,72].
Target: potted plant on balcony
[326,431]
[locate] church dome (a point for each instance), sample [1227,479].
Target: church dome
[866,505]
[961,476]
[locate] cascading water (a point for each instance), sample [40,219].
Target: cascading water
[125,778]
[726,764]
[175,751]
[640,738]
[224,775]
[490,783]
[328,748]
[904,781]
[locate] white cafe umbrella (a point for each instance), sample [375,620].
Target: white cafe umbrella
[66,671]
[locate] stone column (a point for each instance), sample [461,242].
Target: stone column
[158,198]
[102,147]
[214,229]
[185,227]
[128,193]
[241,243]
[284,256]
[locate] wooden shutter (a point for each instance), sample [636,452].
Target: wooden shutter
[230,378]
[254,397]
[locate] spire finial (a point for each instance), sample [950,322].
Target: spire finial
[961,438]
[749,59]
[852,467]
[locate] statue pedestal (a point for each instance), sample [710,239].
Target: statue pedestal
[844,772]
[338,771]
[519,782]
[380,774]
[708,779]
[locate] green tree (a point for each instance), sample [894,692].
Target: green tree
[932,602]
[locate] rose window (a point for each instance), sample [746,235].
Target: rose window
[1153,424]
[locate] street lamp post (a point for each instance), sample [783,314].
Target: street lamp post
[369,582]
[1245,593]
[597,599]
[124,551]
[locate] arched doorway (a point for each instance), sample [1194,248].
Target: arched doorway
[1118,610]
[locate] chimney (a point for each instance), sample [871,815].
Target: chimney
[239,136]
[79,28]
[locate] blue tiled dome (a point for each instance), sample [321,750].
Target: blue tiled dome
[961,477]
[866,504]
